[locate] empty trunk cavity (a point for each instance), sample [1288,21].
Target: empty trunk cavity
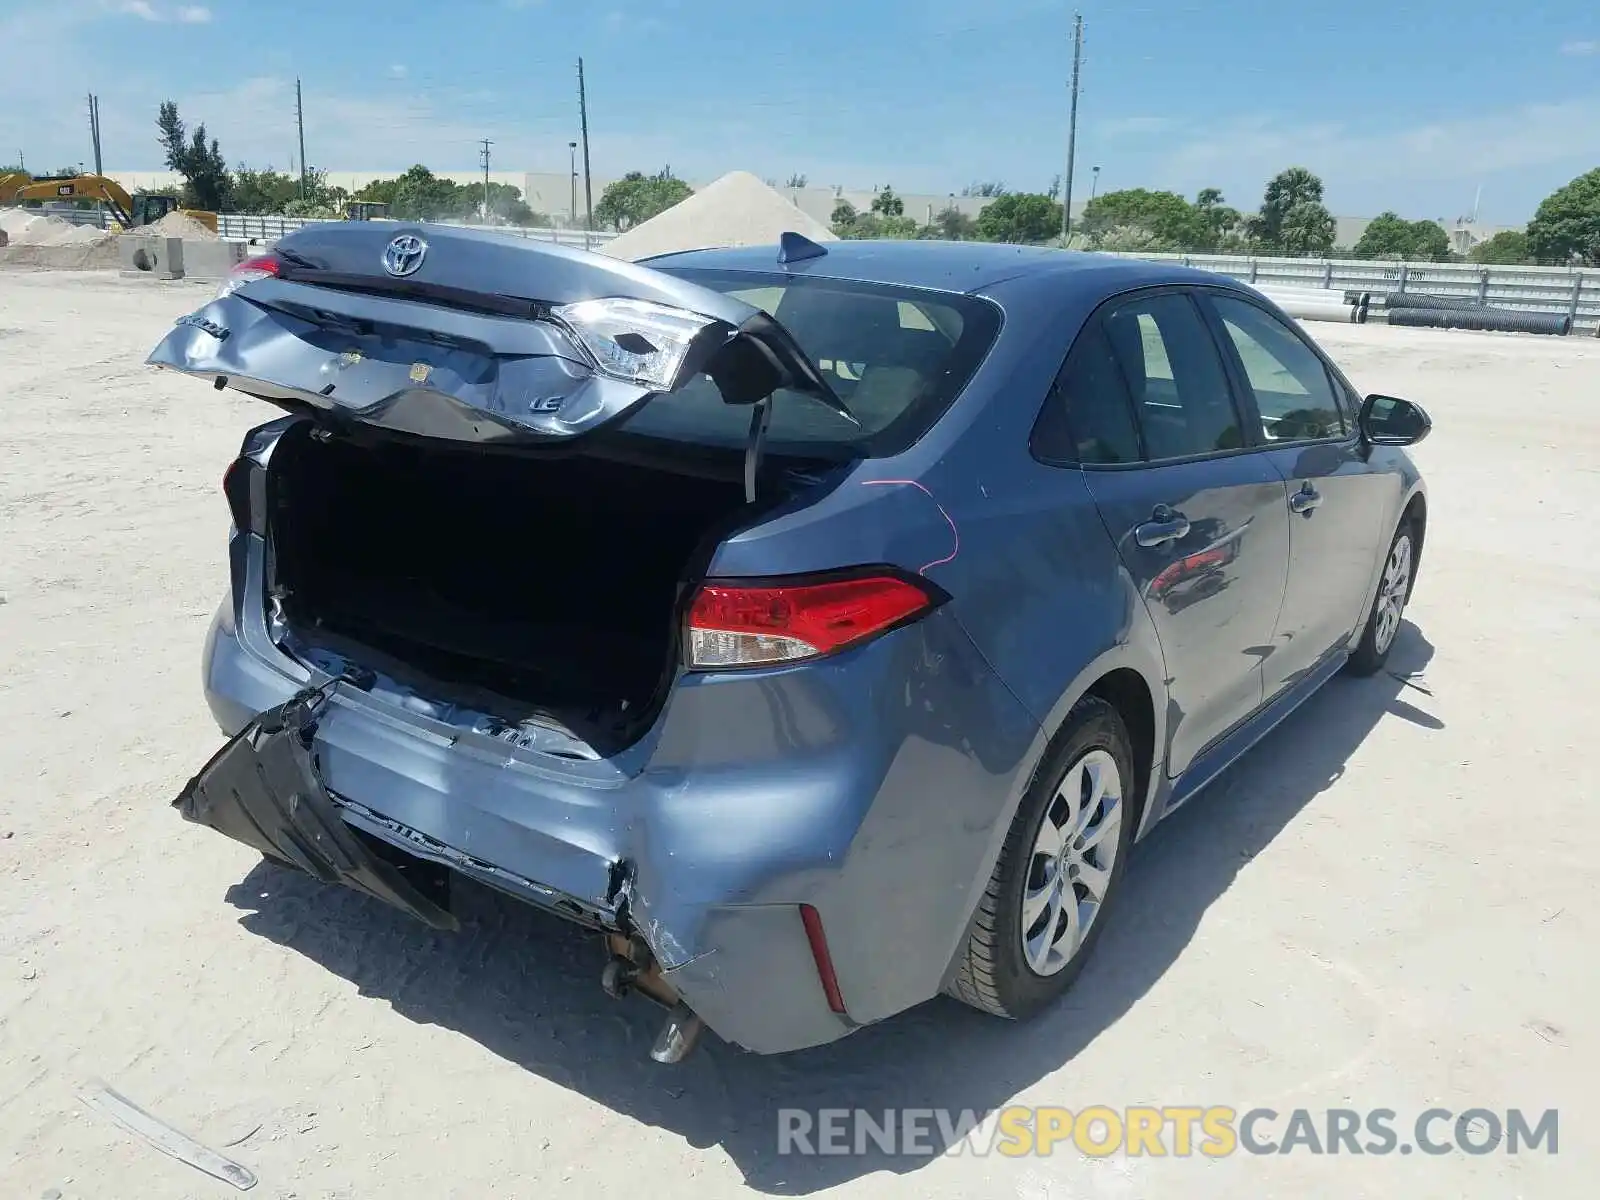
[523,587]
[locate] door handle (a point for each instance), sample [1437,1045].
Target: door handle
[1306,501]
[1165,525]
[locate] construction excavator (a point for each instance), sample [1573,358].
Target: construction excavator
[130,212]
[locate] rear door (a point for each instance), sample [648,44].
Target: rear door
[1199,517]
[1336,502]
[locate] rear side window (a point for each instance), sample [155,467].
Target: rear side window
[1087,418]
[1174,376]
[896,356]
[1292,389]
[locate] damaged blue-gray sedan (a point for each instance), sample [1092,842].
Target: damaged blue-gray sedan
[820,625]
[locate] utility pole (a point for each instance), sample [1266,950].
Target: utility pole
[1072,130]
[300,123]
[588,184]
[572,181]
[94,131]
[484,155]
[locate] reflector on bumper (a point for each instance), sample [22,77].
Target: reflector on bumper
[262,789]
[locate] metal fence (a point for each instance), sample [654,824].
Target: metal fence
[1574,291]
[263,230]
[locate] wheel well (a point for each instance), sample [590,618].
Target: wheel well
[1417,514]
[1126,691]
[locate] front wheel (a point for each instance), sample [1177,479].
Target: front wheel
[1063,858]
[1388,606]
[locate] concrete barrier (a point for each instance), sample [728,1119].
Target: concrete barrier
[157,257]
[210,261]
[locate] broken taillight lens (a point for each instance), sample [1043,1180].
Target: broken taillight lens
[259,267]
[733,624]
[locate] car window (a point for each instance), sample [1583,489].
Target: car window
[896,356]
[1174,376]
[1087,418]
[1290,382]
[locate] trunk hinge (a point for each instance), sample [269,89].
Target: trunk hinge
[760,419]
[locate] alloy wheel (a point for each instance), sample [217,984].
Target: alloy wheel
[1069,871]
[1392,591]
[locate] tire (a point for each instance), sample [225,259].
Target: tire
[1388,604]
[1002,971]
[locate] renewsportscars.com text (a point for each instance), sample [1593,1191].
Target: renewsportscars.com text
[1178,1131]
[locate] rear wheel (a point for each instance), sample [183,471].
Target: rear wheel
[1388,606]
[1046,902]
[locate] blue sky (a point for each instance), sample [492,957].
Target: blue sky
[1405,106]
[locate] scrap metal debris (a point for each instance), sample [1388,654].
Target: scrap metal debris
[166,1139]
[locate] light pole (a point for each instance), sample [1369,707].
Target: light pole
[572,168]
[1094,182]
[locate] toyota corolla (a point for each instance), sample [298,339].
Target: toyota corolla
[819,625]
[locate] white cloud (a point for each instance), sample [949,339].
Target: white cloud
[194,14]
[184,14]
[140,9]
[1364,165]
[1583,47]
[397,71]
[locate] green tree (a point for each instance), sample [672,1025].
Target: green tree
[1020,217]
[1293,219]
[265,191]
[1506,248]
[200,162]
[1218,223]
[952,225]
[796,180]
[1165,219]
[887,204]
[1566,225]
[844,218]
[1390,235]
[986,188]
[637,197]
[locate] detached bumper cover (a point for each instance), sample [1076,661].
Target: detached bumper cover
[262,789]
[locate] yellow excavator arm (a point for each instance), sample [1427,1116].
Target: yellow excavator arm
[129,211]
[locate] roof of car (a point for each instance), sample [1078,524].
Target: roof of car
[947,266]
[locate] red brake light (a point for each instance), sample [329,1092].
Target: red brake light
[258,267]
[734,625]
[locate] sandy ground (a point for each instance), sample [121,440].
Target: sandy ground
[1390,903]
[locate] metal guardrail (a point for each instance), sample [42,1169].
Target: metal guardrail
[1571,290]
[264,230]
[1574,291]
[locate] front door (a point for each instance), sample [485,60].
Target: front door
[1200,521]
[1335,501]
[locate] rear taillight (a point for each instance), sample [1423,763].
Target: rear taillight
[734,624]
[259,267]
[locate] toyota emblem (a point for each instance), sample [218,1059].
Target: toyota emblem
[404,255]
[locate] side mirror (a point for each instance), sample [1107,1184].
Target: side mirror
[1388,421]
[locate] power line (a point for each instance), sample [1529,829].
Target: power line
[1072,131]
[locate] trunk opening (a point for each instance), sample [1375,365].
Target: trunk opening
[522,587]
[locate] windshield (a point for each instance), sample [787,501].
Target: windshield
[896,356]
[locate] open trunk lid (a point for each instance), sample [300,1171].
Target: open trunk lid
[477,337]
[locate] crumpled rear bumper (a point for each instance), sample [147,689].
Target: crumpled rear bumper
[262,789]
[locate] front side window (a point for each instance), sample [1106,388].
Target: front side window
[1293,392]
[1174,377]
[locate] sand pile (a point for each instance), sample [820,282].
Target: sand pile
[34,229]
[175,224]
[736,210]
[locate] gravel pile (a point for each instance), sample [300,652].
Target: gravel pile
[736,210]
